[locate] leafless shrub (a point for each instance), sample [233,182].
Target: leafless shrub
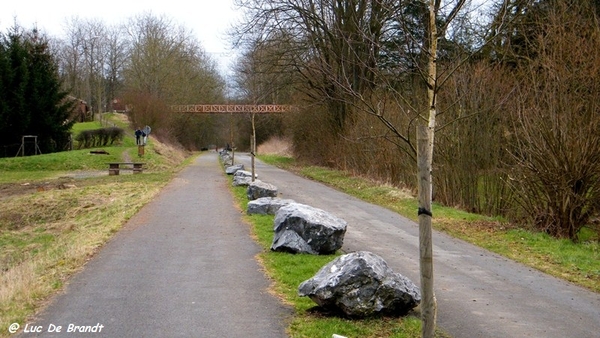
[470,156]
[556,124]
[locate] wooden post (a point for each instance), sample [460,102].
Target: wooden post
[428,301]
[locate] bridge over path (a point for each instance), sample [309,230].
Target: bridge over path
[233,108]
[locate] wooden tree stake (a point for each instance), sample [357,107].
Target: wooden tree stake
[428,302]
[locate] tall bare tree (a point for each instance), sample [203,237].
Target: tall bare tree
[116,56]
[165,66]
[84,60]
[324,40]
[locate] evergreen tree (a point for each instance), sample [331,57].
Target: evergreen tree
[4,107]
[15,117]
[32,100]
[46,102]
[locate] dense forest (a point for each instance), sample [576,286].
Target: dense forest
[508,87]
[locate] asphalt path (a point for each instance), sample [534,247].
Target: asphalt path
[184,266]
[479,293]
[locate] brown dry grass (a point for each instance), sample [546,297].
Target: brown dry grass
[47,236]
[276,146]
[171,155]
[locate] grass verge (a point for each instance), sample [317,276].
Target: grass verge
[578,263]
[287,272]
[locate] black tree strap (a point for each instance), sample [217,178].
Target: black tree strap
[423,211]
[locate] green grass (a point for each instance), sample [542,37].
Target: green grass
[47,166]
[575,262]
[371,191]
[63,161]
[81,126]
[288,271]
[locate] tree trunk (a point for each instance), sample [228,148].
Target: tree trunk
[428,302]
[432,77]
[425,138]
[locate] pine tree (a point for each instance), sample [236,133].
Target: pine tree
[32,102]
[47,103]
[4,69]
[14,79]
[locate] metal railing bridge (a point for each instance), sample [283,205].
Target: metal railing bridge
[233,108]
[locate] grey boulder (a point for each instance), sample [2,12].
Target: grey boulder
[361,285]
[244,173]
[267,205]
[258,189]
[242,181]
[232,169]
[300,228]
[242,178]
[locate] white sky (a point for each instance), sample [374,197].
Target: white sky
[208,19]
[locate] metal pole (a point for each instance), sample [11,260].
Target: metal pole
[253,146]
[231,139]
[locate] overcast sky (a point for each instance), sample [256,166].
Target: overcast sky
[208,19]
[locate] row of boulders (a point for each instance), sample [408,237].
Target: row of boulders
[359,284]
[226,158]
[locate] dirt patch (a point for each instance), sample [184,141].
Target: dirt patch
[15,189]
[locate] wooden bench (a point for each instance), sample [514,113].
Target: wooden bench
[115,167]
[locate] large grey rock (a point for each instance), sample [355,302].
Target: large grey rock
[267,205]
[244,173]
[241,181]
[242,178]
[232,169]
[319,230]
[290,241]
[361,284]
[258,189]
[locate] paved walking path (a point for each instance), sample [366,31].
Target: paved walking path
[183,266]
[479,294]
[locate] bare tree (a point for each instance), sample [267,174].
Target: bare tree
[166,66]
[323,40]
[556,145]
[71,61]
[116,56]
[83,61]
